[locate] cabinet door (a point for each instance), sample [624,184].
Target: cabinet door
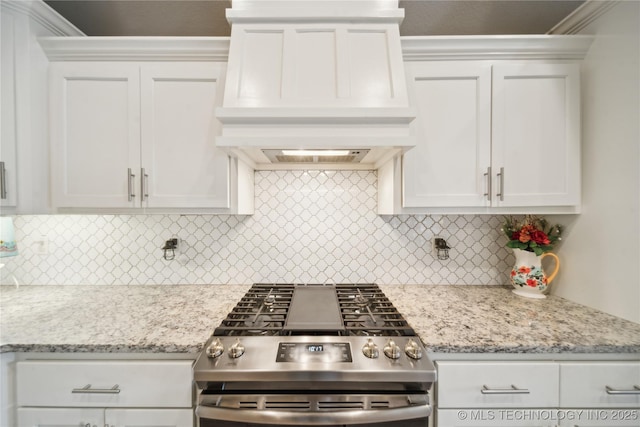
[8,161]
[497,417]
[149,417]
[536,134]
[95,134]
[183,168]
[452,154]
[60,417]
[590,417]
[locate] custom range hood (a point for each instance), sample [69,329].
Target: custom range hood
[318,75]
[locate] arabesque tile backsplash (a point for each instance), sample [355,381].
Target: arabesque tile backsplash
[308,227]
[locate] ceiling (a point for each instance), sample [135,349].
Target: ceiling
[207,17]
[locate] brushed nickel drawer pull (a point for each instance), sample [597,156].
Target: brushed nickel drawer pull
[130,192]
[512,390]
[500,192]
[88,390]
[611,390]
[145,185]
[3,181]
[489,178]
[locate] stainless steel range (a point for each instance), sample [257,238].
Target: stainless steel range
[330,355]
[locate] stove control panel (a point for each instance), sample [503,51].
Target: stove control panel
[314,352]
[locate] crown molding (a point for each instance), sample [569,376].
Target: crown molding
[582,16]
[422,48]
[136,48]
[44,15]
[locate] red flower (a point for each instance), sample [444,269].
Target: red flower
[532,282]
[524,269]
[540,237]
[513,273]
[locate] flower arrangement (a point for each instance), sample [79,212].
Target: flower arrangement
[532,234]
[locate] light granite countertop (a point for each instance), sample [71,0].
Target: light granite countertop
[180,318]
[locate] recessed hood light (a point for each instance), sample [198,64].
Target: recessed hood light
[315,156]
[320,153]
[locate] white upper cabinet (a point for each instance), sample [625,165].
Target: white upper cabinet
[178,137]
[497,129]
[24,149]
[536,134]
[95,134]
[130,135]
[494,135]
[8,163]
[453,132]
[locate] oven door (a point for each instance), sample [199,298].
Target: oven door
[247,418]
[422,422]
[315,410]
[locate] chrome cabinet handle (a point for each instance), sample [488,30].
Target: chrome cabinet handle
[489,178]
[611,390]
[500,192]
[3,181]
[145,185]
[512,390]
[88,390]
[130,177]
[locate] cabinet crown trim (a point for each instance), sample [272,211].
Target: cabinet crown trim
[44,15]
[555,47]
[136,48]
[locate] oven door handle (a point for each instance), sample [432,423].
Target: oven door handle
[271,417]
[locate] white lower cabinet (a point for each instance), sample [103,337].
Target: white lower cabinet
[91,417]
[60,417]
[538,393]
[113,393]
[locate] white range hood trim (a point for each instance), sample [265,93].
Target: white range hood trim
[326,116]
[314,11]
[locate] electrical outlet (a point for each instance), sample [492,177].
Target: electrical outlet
[41,245]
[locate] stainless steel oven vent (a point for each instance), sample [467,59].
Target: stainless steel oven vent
[269,404]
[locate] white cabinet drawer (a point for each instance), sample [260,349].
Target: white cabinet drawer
[60,417]
[584,384]
[112,383]
[497,385]
[496,417]
[149,417]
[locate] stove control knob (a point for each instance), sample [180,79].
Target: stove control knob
[413,350]
[236,350]
[215,349]
[392,350]
[370,349]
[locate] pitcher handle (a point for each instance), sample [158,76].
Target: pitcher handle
[555,271]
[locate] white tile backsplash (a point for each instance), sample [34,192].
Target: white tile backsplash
[314,226]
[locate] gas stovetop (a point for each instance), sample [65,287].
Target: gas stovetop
[288,309]
[283,333]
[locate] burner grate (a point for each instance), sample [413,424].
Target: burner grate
[261,311]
